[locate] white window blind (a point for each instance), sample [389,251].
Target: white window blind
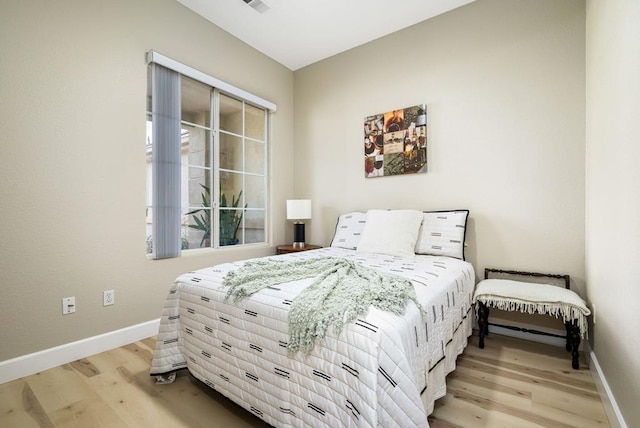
[166,162]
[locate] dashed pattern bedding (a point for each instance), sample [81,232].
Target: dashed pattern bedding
[382,370]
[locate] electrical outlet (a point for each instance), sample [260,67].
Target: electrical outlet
[108,297]
[68,305]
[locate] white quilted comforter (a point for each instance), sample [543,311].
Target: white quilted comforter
[382,370]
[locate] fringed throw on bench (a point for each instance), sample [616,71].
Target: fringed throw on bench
[533,298]
[341,291]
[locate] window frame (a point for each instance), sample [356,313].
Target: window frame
[213,142]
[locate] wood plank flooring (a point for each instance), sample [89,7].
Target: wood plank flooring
[510,383]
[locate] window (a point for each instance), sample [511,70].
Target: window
[206,162]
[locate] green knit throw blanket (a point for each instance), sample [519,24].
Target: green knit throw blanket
[341,291]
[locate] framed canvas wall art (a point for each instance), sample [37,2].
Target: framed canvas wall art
[395,142]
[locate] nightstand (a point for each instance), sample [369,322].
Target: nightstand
[285,249]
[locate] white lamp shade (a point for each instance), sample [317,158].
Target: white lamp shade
[298,209]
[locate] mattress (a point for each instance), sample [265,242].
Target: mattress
[381,370]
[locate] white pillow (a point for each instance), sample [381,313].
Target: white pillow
[391,232]
[442,234]
[349,230]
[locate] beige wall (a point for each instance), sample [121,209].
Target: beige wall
[72,159]
[613,194]
[504,86]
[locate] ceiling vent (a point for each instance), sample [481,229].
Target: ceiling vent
[258,5]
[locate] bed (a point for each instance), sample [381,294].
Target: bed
[381,369]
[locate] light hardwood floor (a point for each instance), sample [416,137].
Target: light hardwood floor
[510,383]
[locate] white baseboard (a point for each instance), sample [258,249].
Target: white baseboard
[608,400]
[48,358]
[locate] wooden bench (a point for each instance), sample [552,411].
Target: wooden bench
[531,296]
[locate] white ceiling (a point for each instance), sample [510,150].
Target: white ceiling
[297,33]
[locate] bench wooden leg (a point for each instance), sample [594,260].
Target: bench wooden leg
[575,344]
[483,322]
[568,326]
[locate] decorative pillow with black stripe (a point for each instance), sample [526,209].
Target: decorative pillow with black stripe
[442,233]
[349,230]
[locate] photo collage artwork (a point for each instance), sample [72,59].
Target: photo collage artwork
[395,142]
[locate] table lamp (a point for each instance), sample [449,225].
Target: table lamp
[297,210]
